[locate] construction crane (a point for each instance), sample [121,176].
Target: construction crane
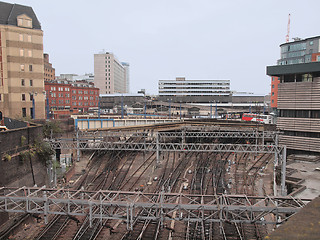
[288,29]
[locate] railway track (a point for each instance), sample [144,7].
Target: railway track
[189,172]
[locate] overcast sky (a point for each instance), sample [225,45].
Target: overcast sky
[163,39]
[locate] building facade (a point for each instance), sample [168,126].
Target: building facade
[197,91]
[274,93]
[300,51]
[110,75]
[297,52]
[298,105]
[21,63]
[49,71]
[73,96]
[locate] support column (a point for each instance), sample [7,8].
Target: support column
[158,147]
[45,207]
[275,164]
[283,171]
[78,146]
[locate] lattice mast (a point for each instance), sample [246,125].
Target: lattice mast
[288,29]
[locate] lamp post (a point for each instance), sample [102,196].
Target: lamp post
[169,108]
[122,106]
[99,108]
[145,109]
[216,112]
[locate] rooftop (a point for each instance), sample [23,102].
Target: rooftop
[10,12]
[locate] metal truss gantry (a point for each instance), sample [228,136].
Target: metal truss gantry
[154,141]
[181,134]
[131,206]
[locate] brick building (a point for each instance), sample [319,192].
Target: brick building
[49,71]
[72,97]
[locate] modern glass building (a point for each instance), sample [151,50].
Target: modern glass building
[300,51]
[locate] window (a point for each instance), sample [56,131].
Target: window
[22,82]
[29,53]
[24,112]
[29,23]
[31,82]
[272,93]
[23,97]
[31,113]
[22,67]
[21,37]
[21,52]
[30,68]
[31,97]
[272,86]
[29,38]
[20,21]
[272,101]
[311,43]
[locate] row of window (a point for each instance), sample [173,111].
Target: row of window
[23,37]
[23,82]
[187,83]
[84,98]
[23,97]
[24,112]
[22,68]
[53,102]
[302,134]
[300,113]
[294,47]
[24,22]
[308,77]
[60,101]
[61,89]
[25,53]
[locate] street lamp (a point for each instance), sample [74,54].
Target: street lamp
[169,108]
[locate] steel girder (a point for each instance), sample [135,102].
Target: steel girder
[129,206]
[180,134]
[84,144]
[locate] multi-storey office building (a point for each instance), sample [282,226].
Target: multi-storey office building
[197,91]
[110,75]
[296,52]
[298,105]
[300,51]
[21,62]
[73,96]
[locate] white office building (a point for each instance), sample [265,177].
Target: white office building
[110,75]
[184,90]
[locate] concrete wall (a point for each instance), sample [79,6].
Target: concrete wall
[11,140]
[16,172]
